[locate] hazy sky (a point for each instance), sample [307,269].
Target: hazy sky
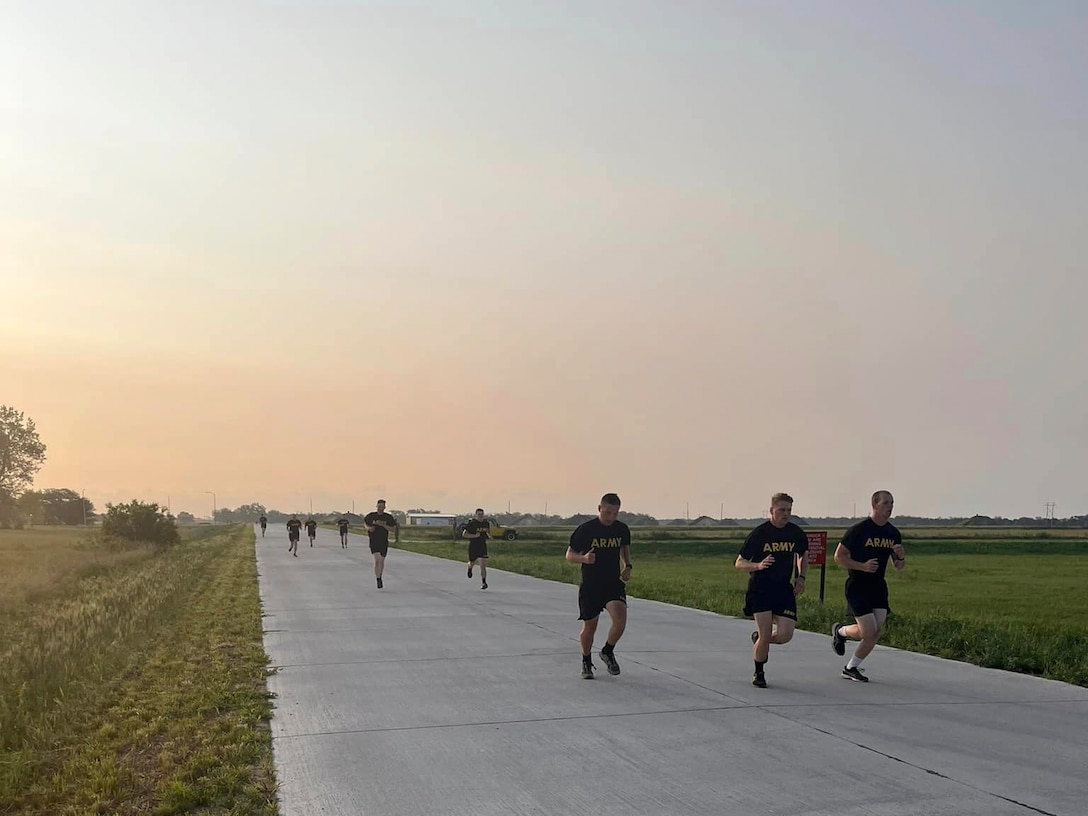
[461,253]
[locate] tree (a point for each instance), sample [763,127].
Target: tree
[185,517]
[21,456]
[250,512]
[56,506]
[137,521]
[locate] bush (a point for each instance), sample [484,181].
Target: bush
[137,521]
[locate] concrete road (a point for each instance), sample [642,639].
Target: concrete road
[432,696]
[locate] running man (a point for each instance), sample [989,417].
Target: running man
[294,527]
[343,522]
[769,555]
[864,551]
[477,532]
[379,525]
[599,545]
[311,530]
[264,524]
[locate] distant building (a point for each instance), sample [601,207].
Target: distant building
[430,519]
[705,521]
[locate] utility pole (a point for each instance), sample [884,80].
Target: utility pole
[1050,513]
[213,504]
[83,501]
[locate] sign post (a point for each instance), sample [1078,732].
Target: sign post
[817,554]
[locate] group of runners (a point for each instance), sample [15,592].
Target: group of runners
[379,525]
[774,554]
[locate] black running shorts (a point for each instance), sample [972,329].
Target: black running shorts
[594,597]
[476,549]
[862,600]
[292,536]
[779,602]
[380,549]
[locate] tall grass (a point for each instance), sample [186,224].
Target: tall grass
[136,685]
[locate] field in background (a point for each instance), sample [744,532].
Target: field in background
[1008,599]
[132,680]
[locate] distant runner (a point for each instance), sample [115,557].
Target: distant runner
[264,524]
[294,527]
[378,526]
[311,530]
[343,522]
[477,533]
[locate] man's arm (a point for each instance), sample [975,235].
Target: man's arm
[899,557]
[843,559]
[744,565]
[580,558]
[625,556]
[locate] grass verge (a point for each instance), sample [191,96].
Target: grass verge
[140,688]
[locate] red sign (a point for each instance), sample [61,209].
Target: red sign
[817,546]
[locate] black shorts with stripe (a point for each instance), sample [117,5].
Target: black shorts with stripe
[779,601]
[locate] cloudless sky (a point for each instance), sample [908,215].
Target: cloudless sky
[462,253]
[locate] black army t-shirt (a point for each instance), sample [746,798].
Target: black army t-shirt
[343,524]
[866,540]
[380,535]
[311,527]
[784,543]
[293,526]
[605,541]
[482,527]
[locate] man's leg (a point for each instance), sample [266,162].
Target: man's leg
[867,630]
[585,637]
[617,611]
[783,630]
[483,570]
[471,564]
[761,647]
[379,567]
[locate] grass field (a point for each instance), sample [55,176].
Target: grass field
[1009,599]
[132,680]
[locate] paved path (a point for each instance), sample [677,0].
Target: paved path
[434,697]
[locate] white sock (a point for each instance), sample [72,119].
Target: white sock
[841,631]
[854,662]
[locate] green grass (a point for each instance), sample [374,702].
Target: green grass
[1011,599]
[137,683]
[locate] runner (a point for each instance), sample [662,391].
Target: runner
[476,531]
[264,524]
[769,555]
[343,522]
[599,545]
[294,527]
[311,530]
[864,551]
[379,525]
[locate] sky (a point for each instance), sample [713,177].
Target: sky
[524,253]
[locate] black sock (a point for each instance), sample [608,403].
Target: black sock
[587,658]
[760,665]
[607,648]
